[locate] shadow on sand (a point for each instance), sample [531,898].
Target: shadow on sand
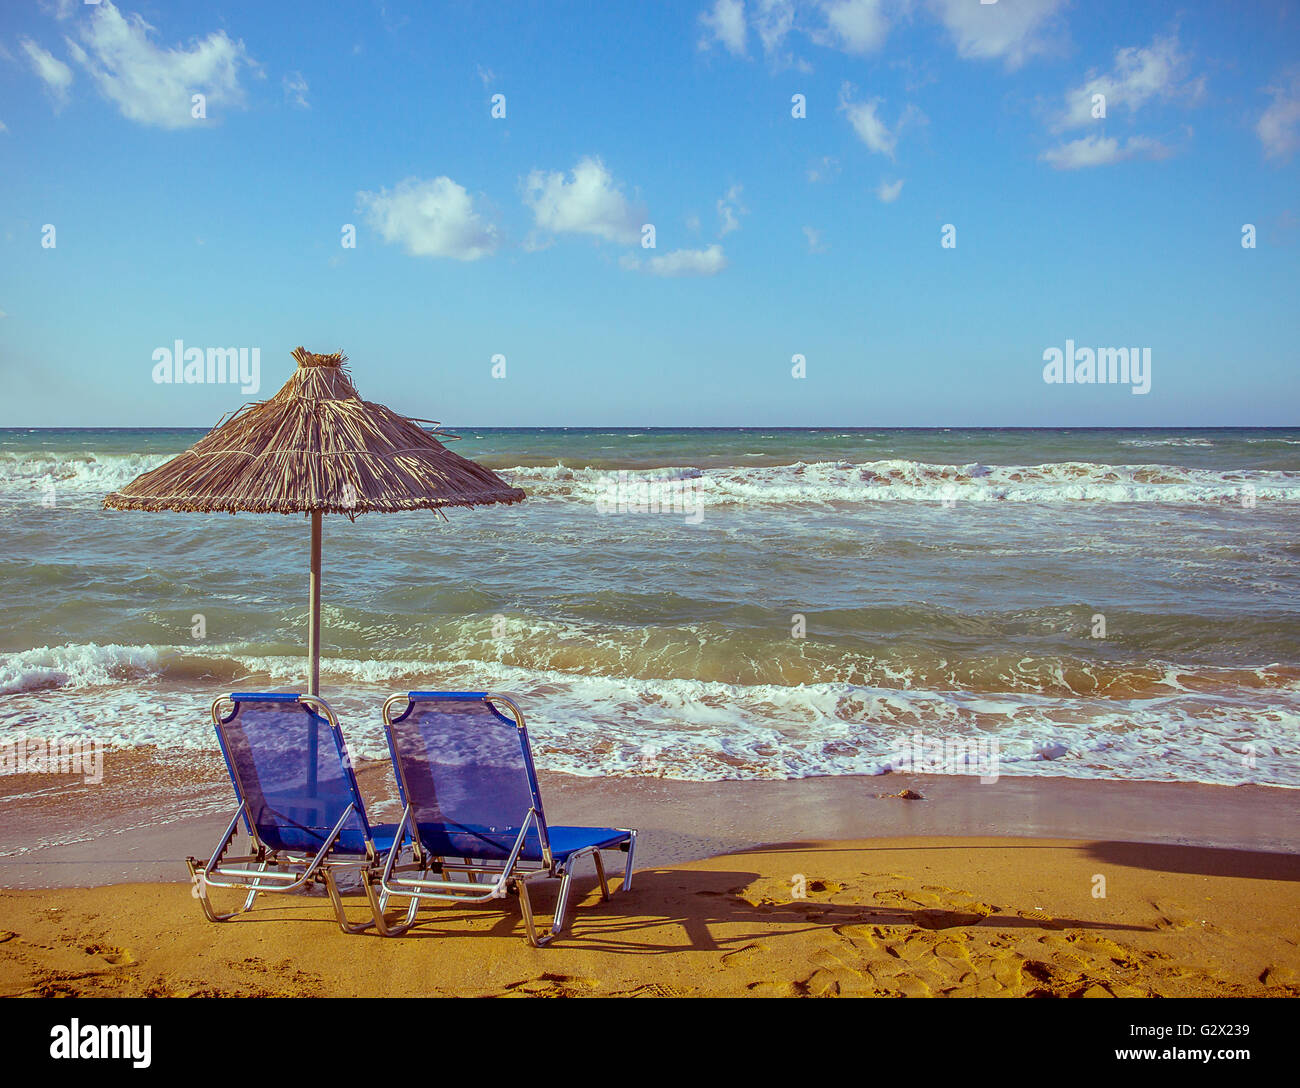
[671,910]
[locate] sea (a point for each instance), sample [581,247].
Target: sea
[705,604]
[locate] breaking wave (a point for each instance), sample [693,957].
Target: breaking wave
[836,482]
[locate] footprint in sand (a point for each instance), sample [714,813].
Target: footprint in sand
[1169,917]
[1102,948]
[653,989]
[835,962]
[116,957]
[551,985]
[55,988]
[827,982]
[771,989]
[743,954]
[871,936]
[1049,980]
[1044,979]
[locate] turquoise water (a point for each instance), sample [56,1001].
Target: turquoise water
[947,582]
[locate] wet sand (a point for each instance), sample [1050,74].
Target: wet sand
[156,807]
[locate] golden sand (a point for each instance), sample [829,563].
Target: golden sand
[899,916]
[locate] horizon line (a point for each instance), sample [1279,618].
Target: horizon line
[735,427]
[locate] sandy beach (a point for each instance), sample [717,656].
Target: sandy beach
[881,917]
[816,887]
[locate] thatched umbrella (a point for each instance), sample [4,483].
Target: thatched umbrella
[315,447]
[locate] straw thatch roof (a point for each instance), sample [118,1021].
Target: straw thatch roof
[315,445]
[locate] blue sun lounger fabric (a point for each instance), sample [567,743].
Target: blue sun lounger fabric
[298,801]
[294,774]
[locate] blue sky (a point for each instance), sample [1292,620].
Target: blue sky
[775,235]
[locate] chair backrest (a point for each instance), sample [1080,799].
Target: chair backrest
[466,770]
[288,760]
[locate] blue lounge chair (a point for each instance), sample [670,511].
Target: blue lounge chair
[299,802]
[472,809]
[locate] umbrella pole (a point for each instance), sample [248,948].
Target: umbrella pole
[313,622]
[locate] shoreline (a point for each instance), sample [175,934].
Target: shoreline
[141,823]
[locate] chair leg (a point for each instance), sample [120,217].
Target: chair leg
[557,923]
[337,900]
[627,869]
[526,905]
[378,906]
[600,872]
[199,888]
[252,893]
[198,870]
[562,904]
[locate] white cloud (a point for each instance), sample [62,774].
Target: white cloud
[888,191]
[690,262]
[56,75]
[1012,30]
[1159,71]
[849,26]
[3,127]
[854,26]
[1278,127]
[589,203]
[681,262]
[871,130]
[153,85]
[725,24]
[774,21]
[870,127]
[729,209]
[814,237]
[1099,150]
[295,90]
[431,218]
[486,75]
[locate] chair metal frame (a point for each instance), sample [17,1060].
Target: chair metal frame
[487,878]
[290,870]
